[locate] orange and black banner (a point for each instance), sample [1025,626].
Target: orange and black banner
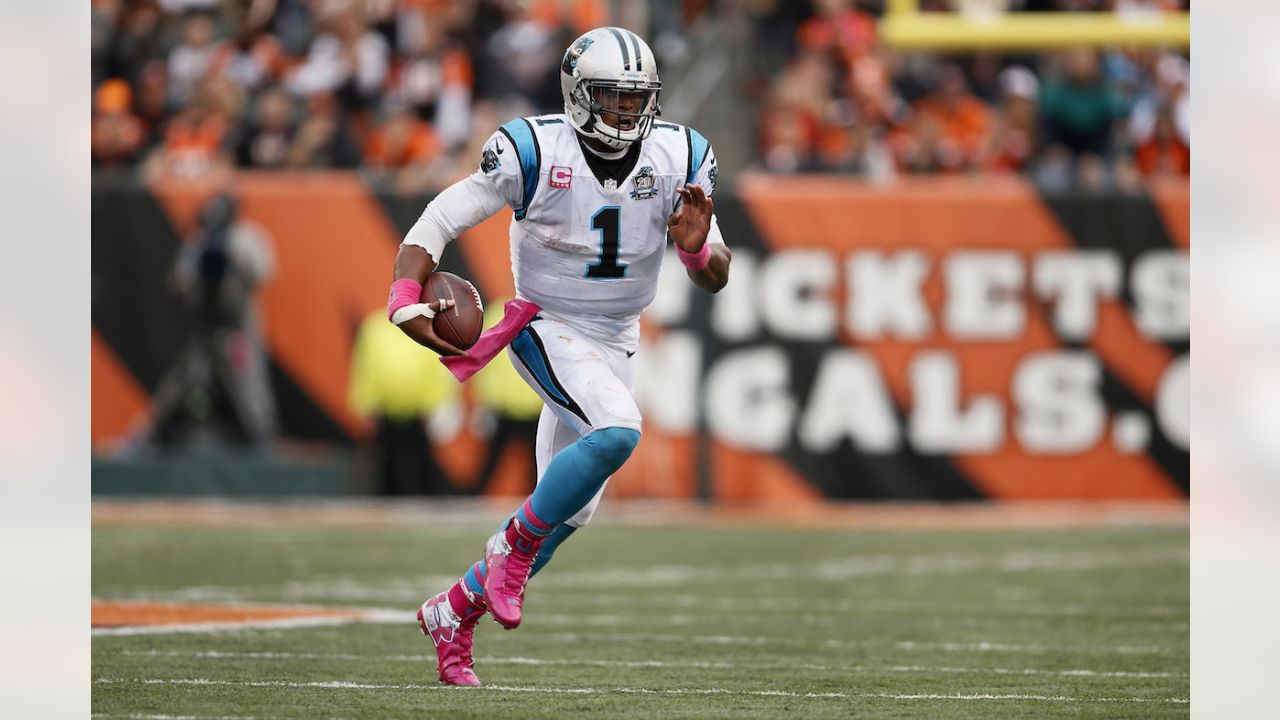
[947,338]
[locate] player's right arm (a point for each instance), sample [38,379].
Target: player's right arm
[458,208]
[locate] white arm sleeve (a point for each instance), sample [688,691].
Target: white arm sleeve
[460,207]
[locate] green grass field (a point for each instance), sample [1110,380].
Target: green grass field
[680,622]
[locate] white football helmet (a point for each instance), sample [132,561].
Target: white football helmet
[599,68]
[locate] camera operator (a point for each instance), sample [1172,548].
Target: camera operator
[219,391]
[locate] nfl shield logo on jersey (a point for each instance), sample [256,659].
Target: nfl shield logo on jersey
[644,184]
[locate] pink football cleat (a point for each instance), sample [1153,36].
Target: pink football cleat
[452,638]
[506,572]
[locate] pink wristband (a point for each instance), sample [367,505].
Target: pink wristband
[405,291]
[698,260]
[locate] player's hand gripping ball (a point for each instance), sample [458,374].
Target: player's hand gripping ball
[461,324]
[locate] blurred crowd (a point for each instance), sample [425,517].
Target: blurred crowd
[1085,118]
[404,87]
[409,89]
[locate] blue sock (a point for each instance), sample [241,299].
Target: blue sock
[474,578]
[577,472]
[549,546]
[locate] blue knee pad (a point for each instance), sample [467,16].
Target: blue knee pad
[576,473]
[549,546]
[613,445]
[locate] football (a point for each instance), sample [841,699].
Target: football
[461,324]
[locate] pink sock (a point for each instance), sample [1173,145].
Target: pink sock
[466,597]
[529,531]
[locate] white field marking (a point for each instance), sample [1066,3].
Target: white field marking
[760,602]
[218,655]
[1022,671]
[697,603]
[395,616]
[1049,698]
[903,645]
[846,568]
[360,615]
[576,620]
[347,685]
[983,646]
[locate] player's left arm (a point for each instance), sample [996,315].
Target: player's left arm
[693,230]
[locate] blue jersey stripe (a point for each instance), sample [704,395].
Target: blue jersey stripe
[533,360]
[698,147]
[533,356]
[521,134]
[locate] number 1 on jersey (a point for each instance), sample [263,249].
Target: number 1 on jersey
[608,222]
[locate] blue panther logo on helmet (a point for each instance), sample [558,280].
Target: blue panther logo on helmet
[574,52]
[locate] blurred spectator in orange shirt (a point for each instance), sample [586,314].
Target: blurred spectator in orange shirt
[193,139]
[840,27]
[949,128]
[843,148]
[406,147]
[117,133]
[1165,152]
[875,101]
[401,140]
[792,122]
[789,140]
[1015,136]
[1171,94]
[580,15]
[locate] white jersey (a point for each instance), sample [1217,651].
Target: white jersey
[579,248]
[584,251]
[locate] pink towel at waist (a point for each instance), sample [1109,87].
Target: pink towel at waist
[515,315]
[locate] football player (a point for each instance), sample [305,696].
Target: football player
[596,192]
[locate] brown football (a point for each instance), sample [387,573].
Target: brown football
[461,324]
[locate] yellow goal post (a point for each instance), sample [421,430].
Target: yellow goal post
[987,26]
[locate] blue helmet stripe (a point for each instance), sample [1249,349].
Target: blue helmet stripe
[635,44]
[626,56]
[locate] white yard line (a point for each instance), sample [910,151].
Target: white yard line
[856,566]
[219,655]
[857,606]
[983,646]
[348,685]
[394,616]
